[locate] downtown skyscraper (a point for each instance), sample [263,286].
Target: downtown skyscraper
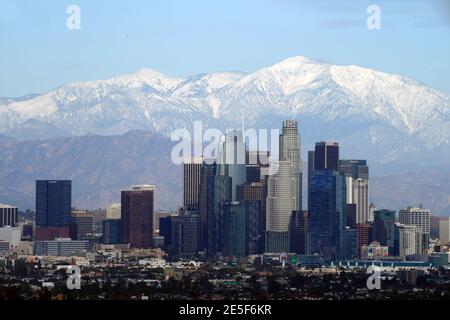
[284,191]
[356,173]
[53,203]
[327,201]
[231,158]
[290,150]
[138,210]
[191,182]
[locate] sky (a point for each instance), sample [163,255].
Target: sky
[180,38]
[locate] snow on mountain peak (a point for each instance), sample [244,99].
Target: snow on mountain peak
[295,87]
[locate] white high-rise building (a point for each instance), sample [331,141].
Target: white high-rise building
[416,216]
[444,231]
[290,150]
[281,199]
[357,178]
[113,211]
[231,158]
[11,235]
[410,240]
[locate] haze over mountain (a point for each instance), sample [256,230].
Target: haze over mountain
[101,166]
[379,116]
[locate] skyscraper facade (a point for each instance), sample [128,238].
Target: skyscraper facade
[356,173]
[290,150]
[185,234]
[326,156]
[231,158]
[82,226]
[138,209]
[298,232]
[8,216]
[219,193]
[112,231]
[240,228]
[419,217]
[113,211]
[444,231]
[383,228]
[327,214]
[191,183]
[53,203]
[408,240]
[281,200]
[208,169]
[311,156]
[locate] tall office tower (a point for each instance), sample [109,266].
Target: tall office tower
[408,240]
[290,150]
[357,174]
[219,193]
[113,211]
[255,192]
[419,217]
[208,169]
[364,235]
[350,243]
[112,231]
[298,232]
[191,182]
[326,156]
[327,215]
[185,234]
[444,231]
[383,228]
[311,155]
[165,230]
[240,228]
[231,159]
[351,215]
[138,210]
[82,226]
[434,226]
[281,201]
[8,216]
[53,203]
[416,216]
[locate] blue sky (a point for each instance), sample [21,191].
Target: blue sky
[180,37]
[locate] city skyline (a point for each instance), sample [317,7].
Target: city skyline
[224,158]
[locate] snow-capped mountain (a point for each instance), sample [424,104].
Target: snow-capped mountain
[374,115]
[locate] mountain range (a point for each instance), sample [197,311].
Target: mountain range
[101,166]
[388,119]
[376,115]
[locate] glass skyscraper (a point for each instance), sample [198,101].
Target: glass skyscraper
[327,213]
[384,228]
[241,234]
[53,203]
[231,159]
[326,156]
[219,193]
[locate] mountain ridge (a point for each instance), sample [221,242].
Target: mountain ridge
[386,115]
